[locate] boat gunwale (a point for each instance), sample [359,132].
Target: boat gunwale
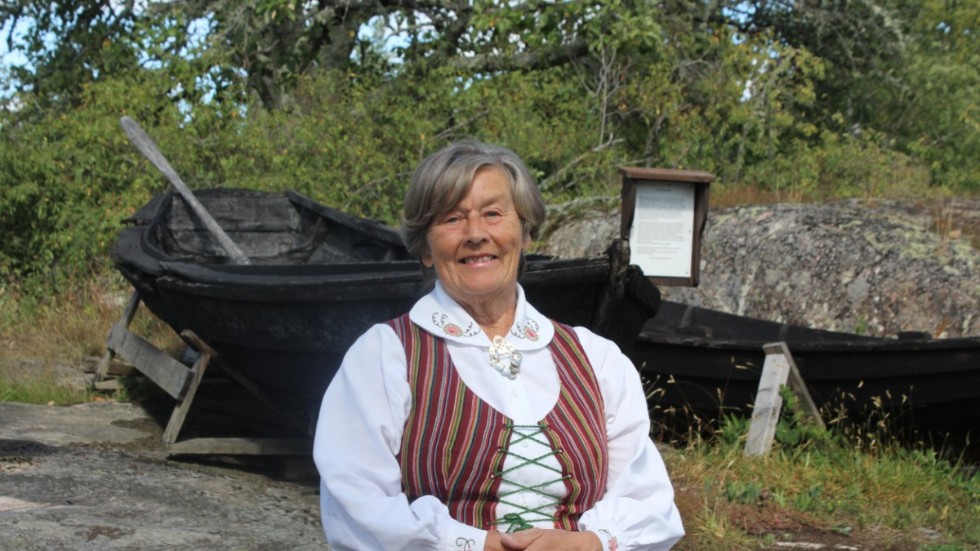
[354,285]
[877,344]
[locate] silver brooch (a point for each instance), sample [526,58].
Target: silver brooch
[505,358]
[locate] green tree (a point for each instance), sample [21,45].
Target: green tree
[340,100]
[68,45]
[939,119]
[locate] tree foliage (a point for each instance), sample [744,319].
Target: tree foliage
[340,100]
[67,45]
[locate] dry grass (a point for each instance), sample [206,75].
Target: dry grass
[43,342]
[956,218]
[71,324]
[733,196]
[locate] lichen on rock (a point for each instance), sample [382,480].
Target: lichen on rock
[875,269]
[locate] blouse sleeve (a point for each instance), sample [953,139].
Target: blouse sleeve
[637,510]
[358,435]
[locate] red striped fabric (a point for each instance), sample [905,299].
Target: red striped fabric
[578,428]
[454,442]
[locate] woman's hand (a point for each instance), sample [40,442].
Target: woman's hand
[539,539]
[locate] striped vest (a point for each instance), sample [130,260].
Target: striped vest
[454,444]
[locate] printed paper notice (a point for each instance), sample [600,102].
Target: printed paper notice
[662,236]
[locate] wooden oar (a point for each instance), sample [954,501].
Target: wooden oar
[149,149]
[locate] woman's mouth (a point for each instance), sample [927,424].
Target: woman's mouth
[477,259]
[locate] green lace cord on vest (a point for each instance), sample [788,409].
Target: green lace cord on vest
[515,522]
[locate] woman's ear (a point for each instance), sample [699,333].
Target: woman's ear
[526,231]
[426,258]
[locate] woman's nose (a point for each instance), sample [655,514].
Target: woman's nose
[475,230]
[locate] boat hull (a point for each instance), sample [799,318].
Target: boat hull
[698,365]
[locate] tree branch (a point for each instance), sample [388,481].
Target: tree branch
[537,59]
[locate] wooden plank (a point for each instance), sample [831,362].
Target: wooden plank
[102,371]
[117,366]
[796,383]
[167,373]
[183,406]
[242,446]
[768,402]
[112,384]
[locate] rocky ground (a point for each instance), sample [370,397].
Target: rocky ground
[94,477]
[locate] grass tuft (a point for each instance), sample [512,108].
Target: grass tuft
[39,383]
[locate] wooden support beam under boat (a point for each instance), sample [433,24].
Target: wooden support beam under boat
[170,375]
[779,370]
[220,445]
[181,383]
[102,370]
[796,384]
[242,446]
[184,403]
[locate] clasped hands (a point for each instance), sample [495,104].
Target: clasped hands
[540,539]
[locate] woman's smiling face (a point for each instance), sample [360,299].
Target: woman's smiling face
[475,247]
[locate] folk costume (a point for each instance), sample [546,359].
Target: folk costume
[430,434]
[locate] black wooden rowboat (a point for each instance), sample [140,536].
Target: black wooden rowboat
[707,363]
[318,278]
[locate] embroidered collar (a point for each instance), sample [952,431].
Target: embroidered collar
[442,316]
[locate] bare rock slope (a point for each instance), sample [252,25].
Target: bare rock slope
[846,266]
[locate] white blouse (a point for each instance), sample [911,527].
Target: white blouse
[365,408]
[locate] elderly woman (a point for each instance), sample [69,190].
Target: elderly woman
[473,422]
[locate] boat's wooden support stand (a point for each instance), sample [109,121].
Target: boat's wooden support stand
[182,383]
[778,370]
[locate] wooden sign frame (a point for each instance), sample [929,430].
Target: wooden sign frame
[634,177]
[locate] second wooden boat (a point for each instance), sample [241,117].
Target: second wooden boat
[707,363]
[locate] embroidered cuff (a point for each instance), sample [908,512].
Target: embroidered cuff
[465,538]
[608,540]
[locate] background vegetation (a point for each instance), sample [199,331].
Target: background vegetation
[339,100]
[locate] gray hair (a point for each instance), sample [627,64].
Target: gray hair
[443,178]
